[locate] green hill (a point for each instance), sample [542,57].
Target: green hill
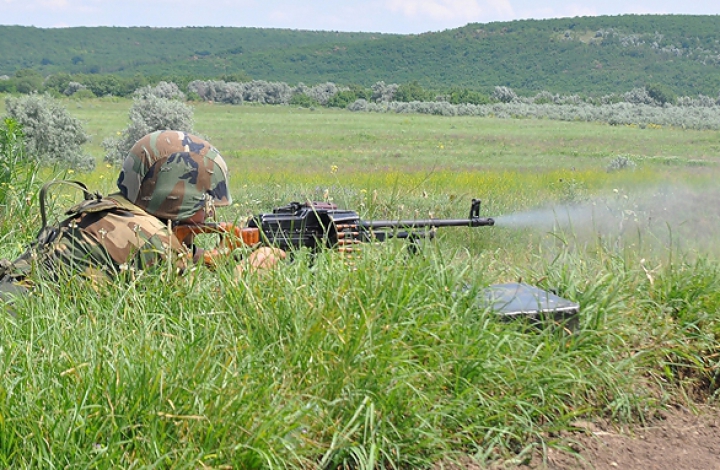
[588,55]
[129,50]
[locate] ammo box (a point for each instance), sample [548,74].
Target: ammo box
[516,300]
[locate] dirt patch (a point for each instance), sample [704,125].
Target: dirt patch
[678,439]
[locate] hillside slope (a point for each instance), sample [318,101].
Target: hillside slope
[579,55]
[126,50]
[572,55]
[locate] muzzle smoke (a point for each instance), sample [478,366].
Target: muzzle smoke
[548,218]
[685,217]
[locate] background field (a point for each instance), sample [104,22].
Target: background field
[385,360]
[418,164]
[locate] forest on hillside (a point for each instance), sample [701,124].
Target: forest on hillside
[580,55]
[123,50]
[588,55]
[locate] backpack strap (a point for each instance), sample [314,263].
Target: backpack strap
[88,196]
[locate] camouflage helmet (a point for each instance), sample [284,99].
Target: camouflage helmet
[173,174]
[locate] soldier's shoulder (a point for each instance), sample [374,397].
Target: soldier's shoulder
[121,202]
[116,214]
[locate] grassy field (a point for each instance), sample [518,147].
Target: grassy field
[279,136]
[386,360]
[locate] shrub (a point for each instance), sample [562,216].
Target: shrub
[412,91]
[382,93]
[7,85]
[701,101]
[147,115]
[646,116]
[57,82]
[238,77]
[28,81]
[570,99]
[85,93]
[323,92]
[621,162]
[463,96]
[360,104]
[208,90]
[167,90]
[258,91]
[545,97]
[342,99]
[300,89]
[192,96]
[52,135]
[638,96]
[303,101]
[660,93]
[73,87]
[360,91]
[504,94]
[426,107]
[612,98]
[103,85]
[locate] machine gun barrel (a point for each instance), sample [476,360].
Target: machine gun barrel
[419,223]
[474,220]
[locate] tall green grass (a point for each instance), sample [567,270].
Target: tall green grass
[19,184]
[384,360]
[388,361]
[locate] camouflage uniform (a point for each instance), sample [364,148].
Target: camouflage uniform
[167,177]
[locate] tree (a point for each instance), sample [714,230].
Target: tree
[412,91]
[661,93]
[58,82]
[28,81]
[465,96]
[102,85]
[342,99]
[304,101]
[360,91]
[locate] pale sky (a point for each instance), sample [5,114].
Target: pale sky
[386,16]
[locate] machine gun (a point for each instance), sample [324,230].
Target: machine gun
[317,225]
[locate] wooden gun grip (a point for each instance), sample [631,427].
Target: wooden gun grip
[250,236]
[232,236]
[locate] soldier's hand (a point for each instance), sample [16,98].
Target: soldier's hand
[262,259]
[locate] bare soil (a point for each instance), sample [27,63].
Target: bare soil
[678,439]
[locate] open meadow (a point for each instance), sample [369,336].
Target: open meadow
[385,360]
